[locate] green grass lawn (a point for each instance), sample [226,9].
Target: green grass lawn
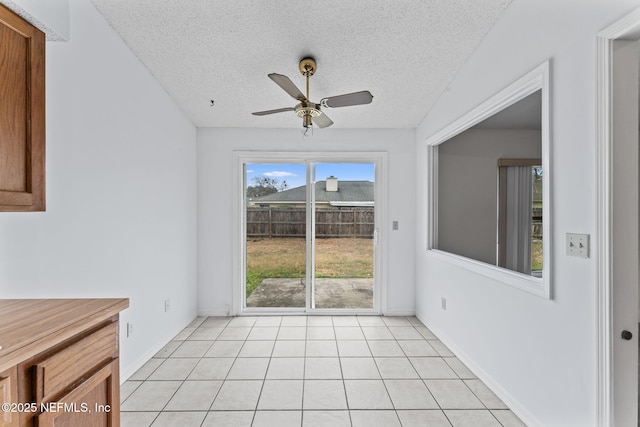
[256,276]
[338,257]
[536,254]
[285,258]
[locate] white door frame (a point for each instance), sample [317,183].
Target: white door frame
[628,26]
[379,159]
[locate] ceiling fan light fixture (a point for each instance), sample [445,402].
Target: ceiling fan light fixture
[307,121]
[307,111]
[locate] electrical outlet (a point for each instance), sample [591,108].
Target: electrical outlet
[167,305]
[578,245]
[443,303]
[129,329]
[395,225]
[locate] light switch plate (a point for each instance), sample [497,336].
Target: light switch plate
[578,245]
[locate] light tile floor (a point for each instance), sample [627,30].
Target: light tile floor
[282,371]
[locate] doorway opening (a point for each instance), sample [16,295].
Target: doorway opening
[617,246]
[309,234]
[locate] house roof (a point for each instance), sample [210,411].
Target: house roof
[349,193]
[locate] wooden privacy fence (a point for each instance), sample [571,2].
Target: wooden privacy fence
[291,222]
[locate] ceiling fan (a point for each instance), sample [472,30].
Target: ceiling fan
[310,112]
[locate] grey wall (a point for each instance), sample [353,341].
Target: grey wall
[467,187]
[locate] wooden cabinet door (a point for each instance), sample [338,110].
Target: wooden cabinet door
[94,403]
[22,109]
[8,394]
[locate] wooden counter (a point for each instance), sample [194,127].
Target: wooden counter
[59,362]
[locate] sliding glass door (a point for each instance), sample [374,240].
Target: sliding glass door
[309,236]
[276,230]
[344,235]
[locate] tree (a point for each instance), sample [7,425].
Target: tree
[265,186]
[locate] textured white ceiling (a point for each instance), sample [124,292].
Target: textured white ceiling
[405,52]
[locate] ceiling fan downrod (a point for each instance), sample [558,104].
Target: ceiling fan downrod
[307,67]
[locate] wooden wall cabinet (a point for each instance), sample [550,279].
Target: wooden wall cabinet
[22,114]
[66,362]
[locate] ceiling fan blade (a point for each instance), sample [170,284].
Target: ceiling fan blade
[279,110]
[356,98]
[322,121]
[285,83]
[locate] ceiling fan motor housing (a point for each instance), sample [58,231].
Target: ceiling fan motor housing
[307,66]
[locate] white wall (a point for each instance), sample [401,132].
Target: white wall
[216,211]
[539,354]
[467,187]
[121,192]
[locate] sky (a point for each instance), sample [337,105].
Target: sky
[295,173]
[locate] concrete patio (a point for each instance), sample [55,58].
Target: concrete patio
[329,293]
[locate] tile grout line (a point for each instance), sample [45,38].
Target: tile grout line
[255,410]
[380,373]
[246,340]
[304,370]
[344,384]
[420,376]
[222,382]
[422,380]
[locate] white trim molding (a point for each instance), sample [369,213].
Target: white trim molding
[602,243]
[308,157]
[628,26]
[537,79]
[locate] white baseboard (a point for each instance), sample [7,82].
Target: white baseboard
[218,312]
[401,313]
[516,407]
[127,371]
[221,312]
